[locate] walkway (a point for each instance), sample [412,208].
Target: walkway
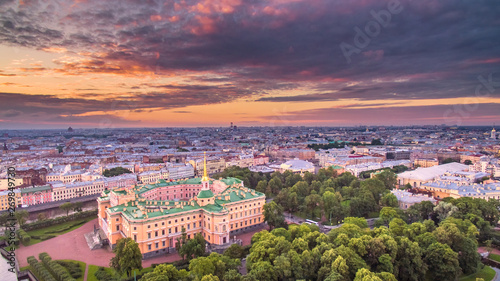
[497,276]
[72,245]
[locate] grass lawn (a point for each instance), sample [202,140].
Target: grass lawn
[93,270]
[494,257]
[54,229]
[487,273]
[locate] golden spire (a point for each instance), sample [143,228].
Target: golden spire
[205,176]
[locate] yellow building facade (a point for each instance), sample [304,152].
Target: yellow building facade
[155,215]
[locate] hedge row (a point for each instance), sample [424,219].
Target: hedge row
[15,238]
[23,236]
[102,275]
[56,269]
[43,237]
[73,267]
[58,220]
[40,270]
[61,229]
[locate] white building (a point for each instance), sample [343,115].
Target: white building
[180,171]
[63,191]
[422,175]
[407,199]
[296,166]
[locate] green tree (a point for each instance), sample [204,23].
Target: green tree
[313,201]
[210,277]
[442,262]
[77,206]
[261,186]
[235,251]
[389,179]
[214,264]
[113,172]
[274,186]
[408,264]
[127,256]
[375,186]
[193,248]
[232,275]
[263,270]
[387,214]
[332,206]
[41,216]
[273,215]
[66,207]
[4,217]
[361,222]
[448,160]
[444,210]
[180,242]
[389,200]
[165,272]
[21,216]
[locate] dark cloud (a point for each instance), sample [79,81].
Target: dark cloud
[461,114]
[239,49]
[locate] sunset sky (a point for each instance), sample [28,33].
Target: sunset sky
[140,63]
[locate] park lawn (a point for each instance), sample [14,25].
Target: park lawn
[43,231]
[82,267]
[93,269]
[494,257]
[487,273]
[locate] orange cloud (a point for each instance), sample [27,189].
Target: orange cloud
[155,18]
[55,50]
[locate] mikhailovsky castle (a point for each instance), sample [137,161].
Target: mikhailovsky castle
[155,214]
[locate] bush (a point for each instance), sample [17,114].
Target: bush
[102,275]
[73,267]
[23,236]
[39,269]
[55,268]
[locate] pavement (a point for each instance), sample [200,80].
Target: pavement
[72,245]
[497,276]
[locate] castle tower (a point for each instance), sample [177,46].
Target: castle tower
[205,181]
[493,133]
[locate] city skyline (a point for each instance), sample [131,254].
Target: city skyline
[89,64]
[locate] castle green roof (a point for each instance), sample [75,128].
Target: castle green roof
[35,189]
[143,208]
[205,194]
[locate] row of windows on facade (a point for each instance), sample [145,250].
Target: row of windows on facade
[176,229]
[194,217]
[164,244]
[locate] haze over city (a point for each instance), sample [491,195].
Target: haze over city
[105,64]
